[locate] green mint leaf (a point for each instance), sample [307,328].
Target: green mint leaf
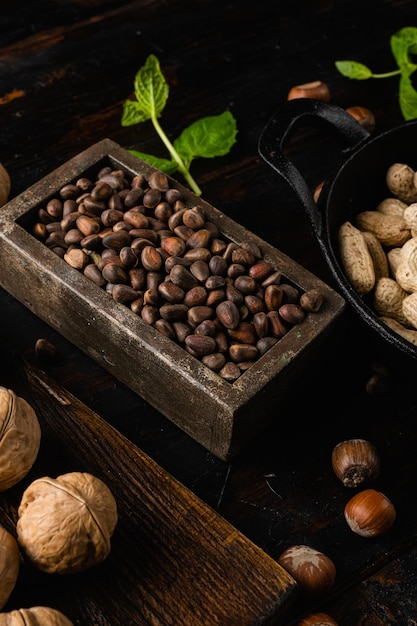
[407,98]
[151,88]
[403,46]
[169,167]
[403,43]
[354,70]
[151,91]
[132,113]
[207,137]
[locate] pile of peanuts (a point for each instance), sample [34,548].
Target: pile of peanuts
[140,241]
[378,250]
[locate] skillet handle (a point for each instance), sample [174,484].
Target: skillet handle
[279,129]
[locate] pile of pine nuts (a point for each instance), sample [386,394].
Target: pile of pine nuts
[140,241]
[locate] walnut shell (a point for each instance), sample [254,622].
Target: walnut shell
[65,524]
[20,436]
[9,565]
[35,616]
[5,185]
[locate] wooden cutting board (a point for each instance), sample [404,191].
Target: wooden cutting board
[174,560]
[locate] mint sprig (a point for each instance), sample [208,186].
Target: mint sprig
[403,46]
[207,137]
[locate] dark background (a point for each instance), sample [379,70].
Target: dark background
[66,68]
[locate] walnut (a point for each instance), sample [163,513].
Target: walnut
[9,565]
[65,524]
[5,185]
[35,616]
[20,436]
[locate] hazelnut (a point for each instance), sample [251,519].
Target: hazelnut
[35,616]
[45,349]
[370,513]
[379,380]
[313,571]
[20,436]
[316,90]
[317,191]
[65,524]
[355,461]
[317,619]
[365,117]
[9,565]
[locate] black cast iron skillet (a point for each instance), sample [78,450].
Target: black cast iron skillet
[356,184]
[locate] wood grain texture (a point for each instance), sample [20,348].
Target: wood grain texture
[173,558]
[66,68]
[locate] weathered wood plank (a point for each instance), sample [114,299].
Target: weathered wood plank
[173,558]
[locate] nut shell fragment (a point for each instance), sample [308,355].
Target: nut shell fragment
[5,185]
[20,436]
[9,565]
[35,616]
[65,524]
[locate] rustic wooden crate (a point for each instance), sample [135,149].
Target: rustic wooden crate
[221,416]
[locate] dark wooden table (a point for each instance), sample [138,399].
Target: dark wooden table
[66,67]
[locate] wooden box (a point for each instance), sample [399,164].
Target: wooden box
[220,415]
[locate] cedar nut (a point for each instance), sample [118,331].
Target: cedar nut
[139,241]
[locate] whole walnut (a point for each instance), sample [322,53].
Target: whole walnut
[20,437]
[5,185]
[9,565]
[65,524]
[35,616]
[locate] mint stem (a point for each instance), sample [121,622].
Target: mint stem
[181,166]
[387,74]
